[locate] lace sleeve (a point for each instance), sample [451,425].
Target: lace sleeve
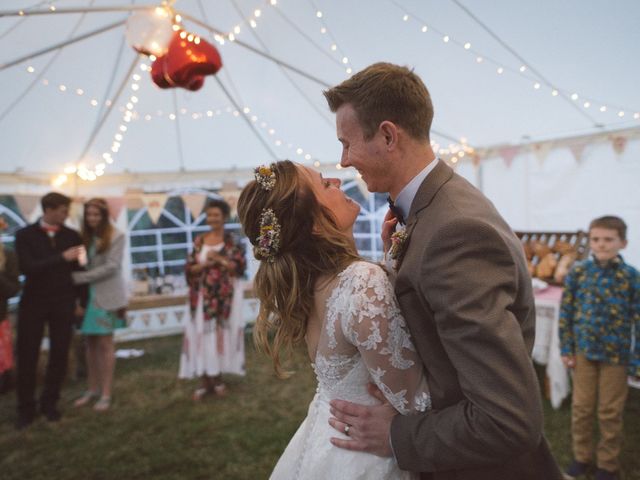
[377,329]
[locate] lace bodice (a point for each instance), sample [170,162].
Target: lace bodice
[365,338]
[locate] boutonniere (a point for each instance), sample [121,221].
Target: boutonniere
[398,240]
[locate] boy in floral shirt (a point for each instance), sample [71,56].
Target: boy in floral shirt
[599,314]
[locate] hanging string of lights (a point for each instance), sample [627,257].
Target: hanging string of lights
[334,44]
[588,103]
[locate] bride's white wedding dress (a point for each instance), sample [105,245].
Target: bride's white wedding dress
[364,338]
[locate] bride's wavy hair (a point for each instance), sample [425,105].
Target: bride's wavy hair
[310,245]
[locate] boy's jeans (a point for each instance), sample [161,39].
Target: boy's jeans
[605,385]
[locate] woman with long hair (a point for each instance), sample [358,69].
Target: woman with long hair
[107,300]
[214,335]
[314,287]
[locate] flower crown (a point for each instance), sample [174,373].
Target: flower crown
[269,237]
[265,176]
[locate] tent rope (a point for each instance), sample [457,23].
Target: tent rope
[285,73]
[251,125]
[41,74]
[57,46]
[524,62]
[100,123]
[178,134]
[258,51]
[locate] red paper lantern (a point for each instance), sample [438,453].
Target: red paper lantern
[187,61]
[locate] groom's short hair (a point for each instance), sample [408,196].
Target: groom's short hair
[384,91]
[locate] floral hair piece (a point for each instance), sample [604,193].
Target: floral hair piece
[269,237]
[265,176]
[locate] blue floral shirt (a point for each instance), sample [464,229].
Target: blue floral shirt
[600,312]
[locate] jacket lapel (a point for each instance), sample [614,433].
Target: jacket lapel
[430,186]
[440,175]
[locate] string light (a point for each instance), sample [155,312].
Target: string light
[522,70]
[334,44]
[91,174]
[246,111]
[251,20]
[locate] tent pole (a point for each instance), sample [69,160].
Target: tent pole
[257,51]
[507,47]
[251,125]
[60,11]
[61,45]
[100,123]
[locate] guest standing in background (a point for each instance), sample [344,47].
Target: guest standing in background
[47,254]
[9,286]
[107,297]
[600,341]
[214,335]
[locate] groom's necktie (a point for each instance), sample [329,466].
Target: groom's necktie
[396,211]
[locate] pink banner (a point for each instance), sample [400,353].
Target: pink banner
[115,206]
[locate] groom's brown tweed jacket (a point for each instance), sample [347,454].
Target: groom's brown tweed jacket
[464,289]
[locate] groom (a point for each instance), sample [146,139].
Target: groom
[463,286]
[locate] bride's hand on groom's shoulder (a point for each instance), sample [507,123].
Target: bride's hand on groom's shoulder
[368,427]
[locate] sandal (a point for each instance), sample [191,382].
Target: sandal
[103,404]
[85,398]
[220,390]
[199,394]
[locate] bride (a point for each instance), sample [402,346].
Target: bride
[313,286]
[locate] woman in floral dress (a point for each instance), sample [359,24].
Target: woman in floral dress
[214,334]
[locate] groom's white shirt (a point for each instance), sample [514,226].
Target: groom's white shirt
[404,201]
[408,193]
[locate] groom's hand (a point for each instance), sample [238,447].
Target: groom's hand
[388,227]
[369,426]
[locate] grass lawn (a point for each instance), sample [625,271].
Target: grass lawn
[154,429]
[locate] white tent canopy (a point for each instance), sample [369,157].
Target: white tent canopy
[471,55]
[573,47]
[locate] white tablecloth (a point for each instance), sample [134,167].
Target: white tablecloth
[546,349]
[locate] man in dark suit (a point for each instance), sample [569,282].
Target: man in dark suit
[47,254]
[463,287]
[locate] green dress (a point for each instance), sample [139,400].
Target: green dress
[98,321]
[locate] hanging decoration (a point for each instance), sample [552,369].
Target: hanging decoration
[187,61]
[27,205]
[577,149]
[194,202]
[116,204]
[541,150]
[155,204]
[180,58]
[508,154]
[149,32]
[619,144]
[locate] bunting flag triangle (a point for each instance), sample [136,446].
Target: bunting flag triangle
[577,149]
[619,144]
[134,201]
[115,206]
[194,202]
[231,197]
[541,151]
[508,154]
[155,204]
[27,205]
